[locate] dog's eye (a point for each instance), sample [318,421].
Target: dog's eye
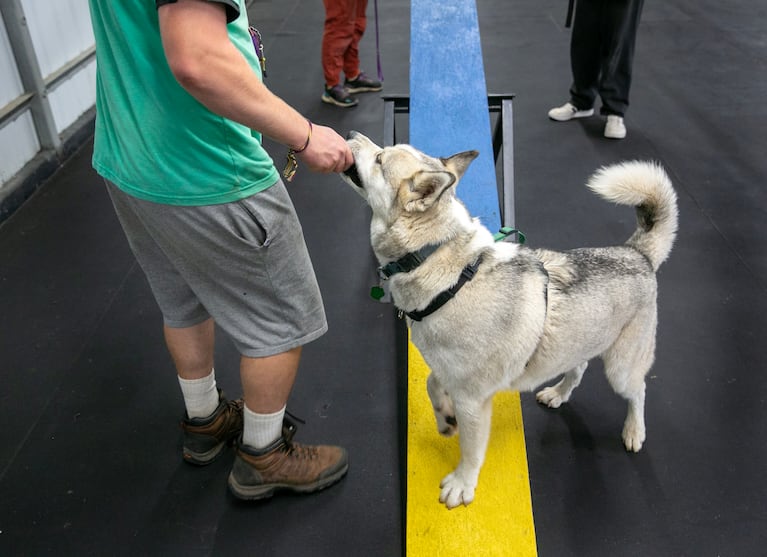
[378,158]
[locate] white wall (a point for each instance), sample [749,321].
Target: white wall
[18,140]
[10,83]
[61,32]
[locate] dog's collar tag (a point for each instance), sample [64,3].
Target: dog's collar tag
[376,292]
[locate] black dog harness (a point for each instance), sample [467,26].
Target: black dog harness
[411,261]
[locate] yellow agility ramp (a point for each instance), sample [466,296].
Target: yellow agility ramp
[500,520]
[448,109]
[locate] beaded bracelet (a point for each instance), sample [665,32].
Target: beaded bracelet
[292,163]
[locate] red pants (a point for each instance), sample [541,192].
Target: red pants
[344,26]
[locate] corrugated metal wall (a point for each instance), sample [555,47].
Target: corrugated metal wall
[47,77]
[18,140]
[61,32]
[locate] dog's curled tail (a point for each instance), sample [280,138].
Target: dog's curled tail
[647,187]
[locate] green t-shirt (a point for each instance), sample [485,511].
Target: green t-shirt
[153,139]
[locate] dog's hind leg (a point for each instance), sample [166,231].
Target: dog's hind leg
[627,362]
[553,397]
[634,433]
[474,420]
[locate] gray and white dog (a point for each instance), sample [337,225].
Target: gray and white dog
[490,316]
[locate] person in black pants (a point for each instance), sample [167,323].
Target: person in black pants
[601,58]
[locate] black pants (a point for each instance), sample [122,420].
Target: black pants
[602,53]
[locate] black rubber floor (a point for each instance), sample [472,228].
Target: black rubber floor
[89,405]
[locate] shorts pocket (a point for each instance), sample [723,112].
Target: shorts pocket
[251,226]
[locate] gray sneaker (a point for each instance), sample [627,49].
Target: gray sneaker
[339,96]
[363,84]
[206,438]
[285,465]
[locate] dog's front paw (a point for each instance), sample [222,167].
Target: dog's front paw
[456,491]
[550,396]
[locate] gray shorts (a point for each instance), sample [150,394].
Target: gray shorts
[245,264]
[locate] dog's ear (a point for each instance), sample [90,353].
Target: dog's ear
[458,163]
[425,188]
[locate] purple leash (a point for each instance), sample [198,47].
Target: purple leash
[378,49]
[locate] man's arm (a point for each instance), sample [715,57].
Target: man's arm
[210,68]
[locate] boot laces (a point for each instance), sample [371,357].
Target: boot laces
[301,452]
[293,449]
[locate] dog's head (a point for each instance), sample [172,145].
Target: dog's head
[400,179]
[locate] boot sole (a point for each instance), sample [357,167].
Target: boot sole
[201,459]
[254,493]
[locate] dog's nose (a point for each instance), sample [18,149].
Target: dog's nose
[352,134]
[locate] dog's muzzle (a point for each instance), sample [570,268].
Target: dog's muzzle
[351,172]
[353,175]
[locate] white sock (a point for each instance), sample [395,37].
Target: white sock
[261,430]
[200,395]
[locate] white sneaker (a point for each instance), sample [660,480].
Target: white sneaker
[567,112]
[615,129]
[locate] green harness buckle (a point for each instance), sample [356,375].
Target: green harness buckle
[507,231]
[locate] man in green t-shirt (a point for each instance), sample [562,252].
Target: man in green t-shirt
[180,111]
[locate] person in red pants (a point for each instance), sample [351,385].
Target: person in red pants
[345,23]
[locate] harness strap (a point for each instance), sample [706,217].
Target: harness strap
[407,262]
[444,297]
[412,260]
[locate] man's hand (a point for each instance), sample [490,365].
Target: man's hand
[327,151]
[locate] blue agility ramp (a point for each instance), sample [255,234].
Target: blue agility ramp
[448,97]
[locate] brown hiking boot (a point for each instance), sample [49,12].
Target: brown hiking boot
[257,473]
[206,438]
